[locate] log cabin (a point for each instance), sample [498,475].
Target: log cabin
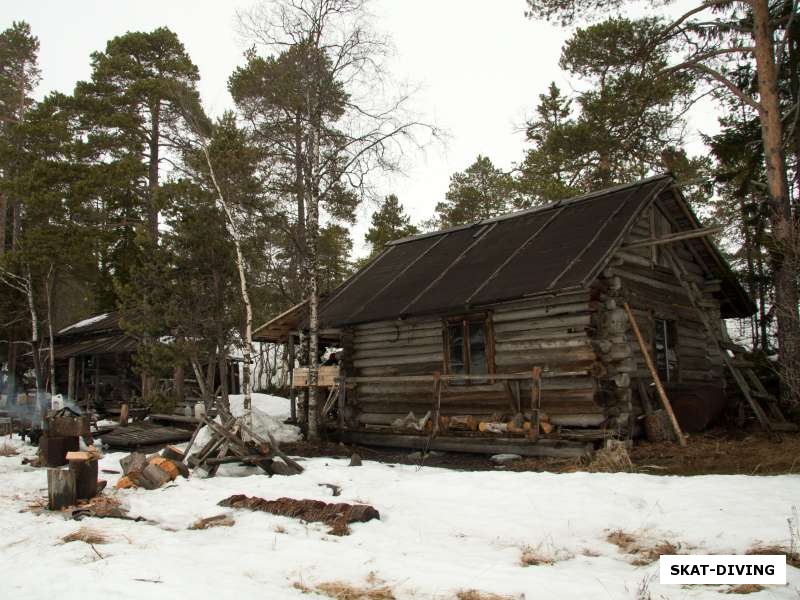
[519,321]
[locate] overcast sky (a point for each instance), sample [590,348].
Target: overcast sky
[480,65]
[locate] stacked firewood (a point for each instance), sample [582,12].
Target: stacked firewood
[233,441]
[151,472]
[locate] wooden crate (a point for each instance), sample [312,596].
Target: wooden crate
[326,377]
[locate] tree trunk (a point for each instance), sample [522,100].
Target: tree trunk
[234,232]
[781,218]
[152,173]
[3,222]
[222,370]
[49,285]
[312,237]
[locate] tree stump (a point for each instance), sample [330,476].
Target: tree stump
[60,488]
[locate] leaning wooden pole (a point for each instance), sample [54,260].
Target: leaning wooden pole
[656,379]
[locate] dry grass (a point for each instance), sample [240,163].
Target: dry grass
[215,521]
[744,588]
[541,555]
[87,535]
[642,552]
[375,589]
[613,459]
[792,557]
[478,595]
[340,590]
[279,529]
[8,450]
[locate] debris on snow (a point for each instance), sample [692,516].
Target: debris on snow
[215,521]
[337,516]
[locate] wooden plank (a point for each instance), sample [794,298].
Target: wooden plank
[478,445]
[654,373]
[674,237]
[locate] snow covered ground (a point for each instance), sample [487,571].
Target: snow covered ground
[440,532]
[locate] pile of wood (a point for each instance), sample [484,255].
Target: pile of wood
[65,486]
[151,472]
[232,441]
[519,424]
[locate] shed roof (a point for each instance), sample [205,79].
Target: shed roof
[545,250]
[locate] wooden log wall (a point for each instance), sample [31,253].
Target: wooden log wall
[641,277]
[550,332]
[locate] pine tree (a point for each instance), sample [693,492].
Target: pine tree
[479,192]
[389,223]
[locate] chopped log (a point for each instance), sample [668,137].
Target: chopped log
[166,465]
[124,483]
[173,453]
[60,488]
[133,463]
[546,427]
[84,468]
[462,423]
[153,477]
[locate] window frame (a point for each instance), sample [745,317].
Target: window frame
[488,335]
[671,343]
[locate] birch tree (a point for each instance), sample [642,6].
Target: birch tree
[344,130]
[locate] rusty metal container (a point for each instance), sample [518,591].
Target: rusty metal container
[54,448]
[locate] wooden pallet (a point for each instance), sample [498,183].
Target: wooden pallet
[143,434]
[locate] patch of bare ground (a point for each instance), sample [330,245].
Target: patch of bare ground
[718,451]
[478,595]
[7,449]
[88,535]
[744,588]
[215,521]
[543,554]
[642,551]
[792,556]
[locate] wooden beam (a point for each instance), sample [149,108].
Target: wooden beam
[673,237]
[656,379]
[479,445]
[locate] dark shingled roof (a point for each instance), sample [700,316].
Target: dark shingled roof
[543,250]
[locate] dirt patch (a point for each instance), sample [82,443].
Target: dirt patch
[745,588]
[720,451]
[337,516]
[643,552]
[87,535]
[792,557]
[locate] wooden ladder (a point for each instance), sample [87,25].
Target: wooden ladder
[746,380]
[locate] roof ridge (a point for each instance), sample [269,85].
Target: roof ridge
[520,213]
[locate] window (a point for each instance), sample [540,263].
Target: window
[467,349]
[665,354]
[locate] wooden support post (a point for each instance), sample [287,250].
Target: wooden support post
[71,379]
[292,392]
[656,379]
[178,375]
[437,401]
[536,401]
[97,380]
[342,398]
[123,415]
